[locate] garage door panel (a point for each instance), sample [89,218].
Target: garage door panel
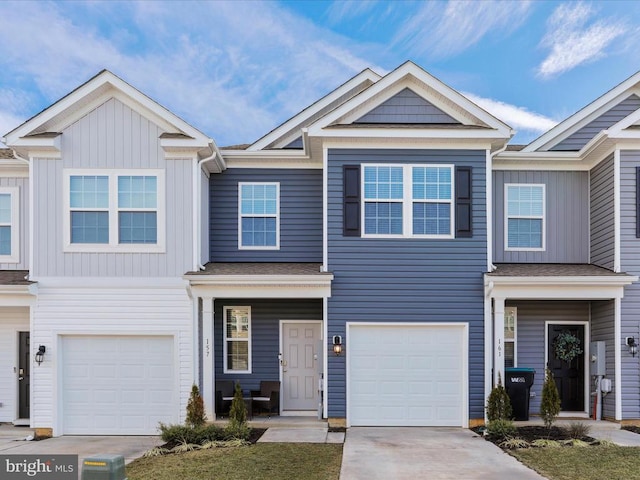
[415,379]
[126,385]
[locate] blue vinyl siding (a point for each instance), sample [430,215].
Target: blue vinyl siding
[407,279]
[566,216]
[602,329]
[265,336]
[602,214]
[300,215]
[580,138]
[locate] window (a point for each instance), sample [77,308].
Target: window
[9,225]
[259,222]
[121,210]
[408,200]
[237,340]
[525,207]
[510,328]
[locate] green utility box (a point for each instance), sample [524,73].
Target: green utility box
[103,467]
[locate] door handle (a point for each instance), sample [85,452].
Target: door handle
[20,378]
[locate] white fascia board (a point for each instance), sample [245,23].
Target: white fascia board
[617,129]
[411,143]
[411,69]
[325,279]
[587,114]
[100,81]
[364,76]
[438,133]
[267,286]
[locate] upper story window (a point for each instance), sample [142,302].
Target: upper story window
[9,225]
[525,208]
[237,340]
[114,211]
[259,211]
[408,201]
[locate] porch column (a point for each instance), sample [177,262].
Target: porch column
[208,380]
[498,340]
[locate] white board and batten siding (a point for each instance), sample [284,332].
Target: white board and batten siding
[112,314]
[112,137]
[402,374]
[12,321]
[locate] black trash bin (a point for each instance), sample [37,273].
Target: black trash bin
[518,382]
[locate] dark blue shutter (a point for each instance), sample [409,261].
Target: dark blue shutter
[351,203]
[464,217]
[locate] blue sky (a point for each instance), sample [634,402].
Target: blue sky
[235,70]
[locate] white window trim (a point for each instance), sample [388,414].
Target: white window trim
[14,193]
[277,216]
[225,340]
[407,201]
[515,333]
[113,246]
[533,217]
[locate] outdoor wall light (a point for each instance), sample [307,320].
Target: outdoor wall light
[40,354]
[633,346]
[337,344]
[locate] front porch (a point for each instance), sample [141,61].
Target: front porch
[529,305]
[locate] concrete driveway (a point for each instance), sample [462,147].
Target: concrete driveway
[430,453]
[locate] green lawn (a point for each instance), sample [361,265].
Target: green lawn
[589,463]
[261,461]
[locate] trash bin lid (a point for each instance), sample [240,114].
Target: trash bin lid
[520,370]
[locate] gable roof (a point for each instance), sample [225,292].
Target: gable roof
[43,129]
[586,115]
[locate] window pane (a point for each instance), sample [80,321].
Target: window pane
[256,199]
[5,240]
[89,191]
[431,183]
[237,355]
[524,233]
[525,200]
[137,227]
[137,192]
[258,232]
[89,227]
[5,208]
[383,183]
[383,218]
[431,219]
[237,323]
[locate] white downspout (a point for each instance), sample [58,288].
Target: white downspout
[197,166]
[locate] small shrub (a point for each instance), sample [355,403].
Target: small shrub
[237,427]
[514,443]
[155,452]
[195,409]
[550,403]
[184,447]
[578,430]
[545,443]
[185,434]
[604,443]
[498,403]
[574,442]
[501,429]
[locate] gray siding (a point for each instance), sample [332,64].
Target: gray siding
[630,263]
[566,216]
[406,107]
[111,136]
[602,329]
[531,318]
[23,199]
[602,214]
[265,335]
[300,215]
[296,144]
[580,138]
[407,280]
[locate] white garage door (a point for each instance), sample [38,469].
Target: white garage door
[407,375]
[117,385]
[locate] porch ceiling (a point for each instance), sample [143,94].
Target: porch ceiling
[556,281]
[261,280]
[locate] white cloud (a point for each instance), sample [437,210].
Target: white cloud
[341,10]
[519,118]
[441,30]
[573,40]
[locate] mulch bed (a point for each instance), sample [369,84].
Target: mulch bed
[631,428]
[531,433]
[254,436]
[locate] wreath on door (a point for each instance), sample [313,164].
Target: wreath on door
[567,346]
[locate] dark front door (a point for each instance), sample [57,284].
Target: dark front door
[569,375]
[24,378]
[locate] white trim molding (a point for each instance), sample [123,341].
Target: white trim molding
[14,224]
[226,338]
[542,217]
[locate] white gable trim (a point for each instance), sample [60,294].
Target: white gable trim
[366,75]
[587,114]
[411,70]
[99,89]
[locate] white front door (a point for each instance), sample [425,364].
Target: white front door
[300,366]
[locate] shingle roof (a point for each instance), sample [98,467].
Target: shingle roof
[6,153]
[551,270]
[254,269]
[14,277]
[514,148]
[242,146]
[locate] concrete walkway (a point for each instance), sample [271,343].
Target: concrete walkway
[379,453]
